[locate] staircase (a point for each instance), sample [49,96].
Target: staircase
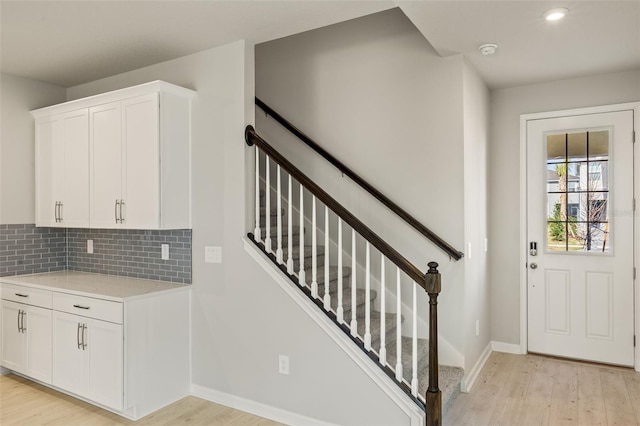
[449,377]
[346,273]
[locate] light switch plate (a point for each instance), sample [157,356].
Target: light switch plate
[165,251]
[213,254]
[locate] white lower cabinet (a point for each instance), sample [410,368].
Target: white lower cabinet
[87,358]
[129,356]
[26,340]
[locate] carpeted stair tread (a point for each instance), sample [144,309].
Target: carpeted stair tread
[449,378]
[308,254]
[333,273]
[390,327]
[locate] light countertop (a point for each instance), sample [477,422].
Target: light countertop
[109,287]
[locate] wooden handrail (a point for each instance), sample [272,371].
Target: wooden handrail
[405,265]
[426,232]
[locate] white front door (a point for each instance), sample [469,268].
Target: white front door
[580,279]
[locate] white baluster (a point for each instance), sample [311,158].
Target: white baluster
[383,337]
[314,250]
[354,321]
[290,230]
[398,327]
[367,302]
[279,215]
[327,296]
[267,193]
[414,354]
[340,310]
[301,273]
[256,230]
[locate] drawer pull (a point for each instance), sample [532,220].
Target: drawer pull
[21,295]
[82,307]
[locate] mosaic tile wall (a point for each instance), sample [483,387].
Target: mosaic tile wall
[25,249]
[133,253]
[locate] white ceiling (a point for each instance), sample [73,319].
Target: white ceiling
[73,42]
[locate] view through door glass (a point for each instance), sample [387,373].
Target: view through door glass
[578,195]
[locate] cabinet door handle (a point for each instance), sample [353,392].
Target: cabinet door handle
[61,212]
[55,212]
[115,211]
[21,295]
[78,334]
[19,315]
[121,211]
[84,336]
[24,314]
[82,307]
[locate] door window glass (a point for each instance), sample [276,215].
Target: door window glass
[578,192]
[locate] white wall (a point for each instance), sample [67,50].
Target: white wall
[506,107]
[477,290]
[373,92]
[17,144]
[242,320]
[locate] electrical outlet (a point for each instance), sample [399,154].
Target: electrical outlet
[90,246]
[477,328]
[164,251]
[283,364]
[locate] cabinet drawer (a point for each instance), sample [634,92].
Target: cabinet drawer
[27,295]
[88,307]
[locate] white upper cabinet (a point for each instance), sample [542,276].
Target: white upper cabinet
[127,165]
[62,170]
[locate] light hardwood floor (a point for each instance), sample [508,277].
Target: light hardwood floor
[535,390]
[513,390]
[25,403]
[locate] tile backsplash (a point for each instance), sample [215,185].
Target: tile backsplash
[134,253]
[25,249]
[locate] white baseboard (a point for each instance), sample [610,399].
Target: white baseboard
[509,348]
[470,378]
[255,408]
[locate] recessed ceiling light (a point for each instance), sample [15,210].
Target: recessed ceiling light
[488,49]
[555,14]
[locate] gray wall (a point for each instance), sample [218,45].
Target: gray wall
[504,228]
[241,319]
[17,144]
[374,93]
[476,145]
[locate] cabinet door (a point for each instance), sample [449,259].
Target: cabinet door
[69,358]
[104,349]
[141,190]
[37,322]
[106,165]
[14,342]
[49,168]
[75,139]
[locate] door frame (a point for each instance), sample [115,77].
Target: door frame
[524,118]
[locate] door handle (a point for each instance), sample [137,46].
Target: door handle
[121,211]
[533,248]
[24,314]
[533,265]
[84,336]
[78,334]
[55,212]
[19,315]
[61,211]
[115,211]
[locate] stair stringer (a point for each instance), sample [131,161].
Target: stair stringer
[384,382]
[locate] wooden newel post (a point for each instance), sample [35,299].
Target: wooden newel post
[434,395]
